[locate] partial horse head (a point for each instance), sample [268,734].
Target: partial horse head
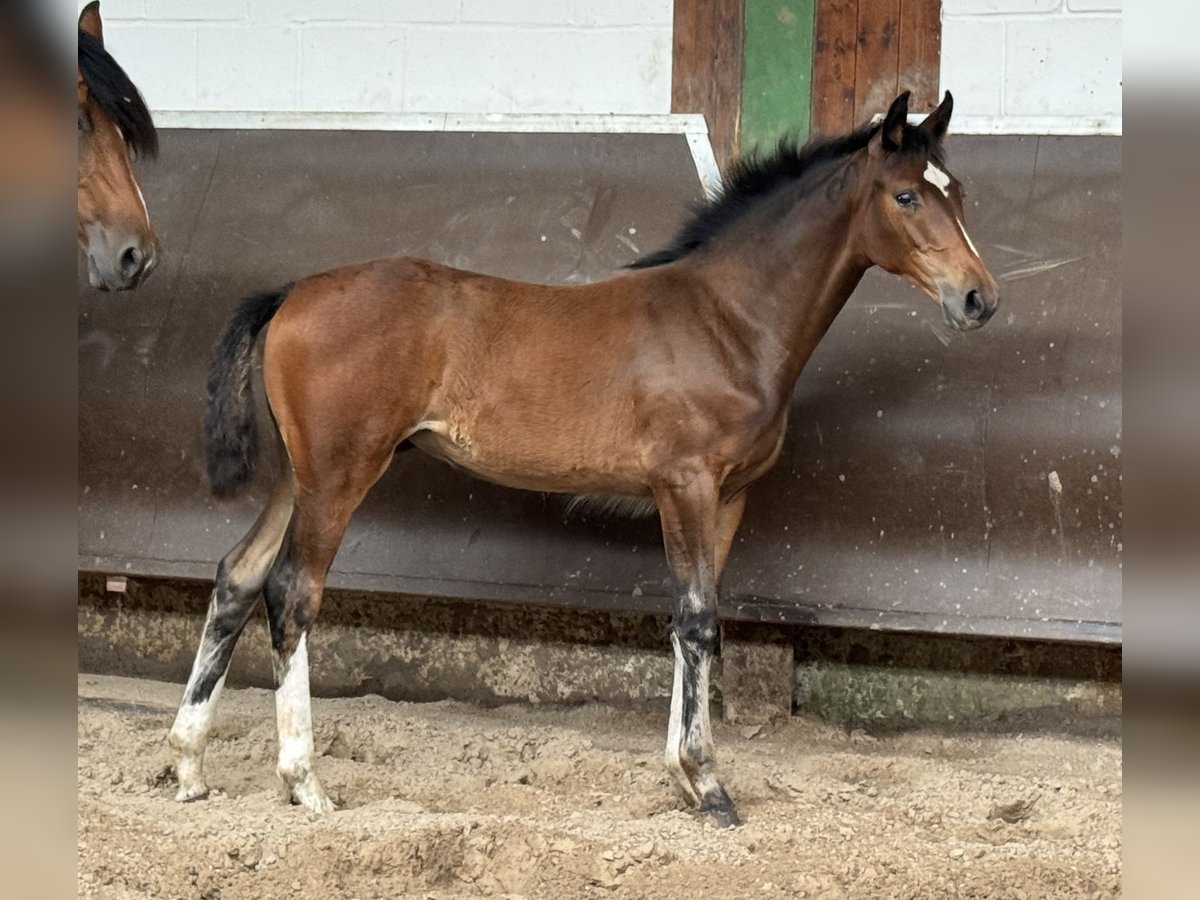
[114,126]
[910,216]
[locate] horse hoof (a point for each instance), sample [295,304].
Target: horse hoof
[308,793]
[721,810]
[191,793]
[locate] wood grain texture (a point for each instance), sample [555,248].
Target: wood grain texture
[877,64]
[835,50]
[866,52]
[706,74]
[921,52]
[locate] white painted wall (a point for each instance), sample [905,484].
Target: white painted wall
[397,56]
[1033,66]
[1050,66]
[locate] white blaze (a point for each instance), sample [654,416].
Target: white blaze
[967,237]
[938,179]
[132,177]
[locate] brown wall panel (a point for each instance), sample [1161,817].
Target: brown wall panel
[866,52]
[835,48]
[920,52]
[878,57]
[706,74]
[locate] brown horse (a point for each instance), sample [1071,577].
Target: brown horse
[114,126]
[669,384]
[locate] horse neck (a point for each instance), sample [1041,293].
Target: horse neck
[786,269]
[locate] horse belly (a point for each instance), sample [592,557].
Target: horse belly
[529,465]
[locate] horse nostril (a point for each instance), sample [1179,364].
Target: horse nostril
[131,262]
[974,306]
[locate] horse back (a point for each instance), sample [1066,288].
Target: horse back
[555,387]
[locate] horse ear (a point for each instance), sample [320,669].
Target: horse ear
[938,121]
[89,21]
[892,131]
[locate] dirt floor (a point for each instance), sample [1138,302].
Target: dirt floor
[443,800]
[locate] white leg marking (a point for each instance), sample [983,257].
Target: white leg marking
[189,735]
[967,238]
[675,726]
[938,179]
[700,737]
[189,738]
[293,710]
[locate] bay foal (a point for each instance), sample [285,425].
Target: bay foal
[668,383]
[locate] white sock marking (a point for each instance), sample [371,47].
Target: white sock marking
[189,733]
[701,738]
[293,710]
[193,721]
[675,724]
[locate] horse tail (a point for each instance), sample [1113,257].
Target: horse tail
[230,433]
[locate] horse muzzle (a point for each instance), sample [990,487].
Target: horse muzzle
[969,309]
[120,265]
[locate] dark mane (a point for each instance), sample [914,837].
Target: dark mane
[755,176]
[117,96]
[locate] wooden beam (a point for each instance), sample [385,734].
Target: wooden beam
[835,50]
[706,70]
[877,65]
[921,52]
[866,52]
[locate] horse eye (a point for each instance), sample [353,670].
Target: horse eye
[906,199]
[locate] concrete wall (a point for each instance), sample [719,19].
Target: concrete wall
[527,56]
[1033,66]
[1015,66]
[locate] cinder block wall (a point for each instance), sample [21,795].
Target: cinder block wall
[1015,66]
[1034,66]
[528,56]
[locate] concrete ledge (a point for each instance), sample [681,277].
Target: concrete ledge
[866,678]
[422,649]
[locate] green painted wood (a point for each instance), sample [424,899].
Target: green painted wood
[777,75]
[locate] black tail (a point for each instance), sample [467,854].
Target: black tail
[230,435]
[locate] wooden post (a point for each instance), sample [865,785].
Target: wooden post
[868,51]
[777,83]
[706,71]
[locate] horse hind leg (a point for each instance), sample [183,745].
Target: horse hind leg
[240,577]
[293,593]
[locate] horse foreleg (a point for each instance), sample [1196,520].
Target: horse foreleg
[293,594]
[240,577]
[689,509]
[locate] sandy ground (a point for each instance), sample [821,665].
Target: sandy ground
[445,800]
